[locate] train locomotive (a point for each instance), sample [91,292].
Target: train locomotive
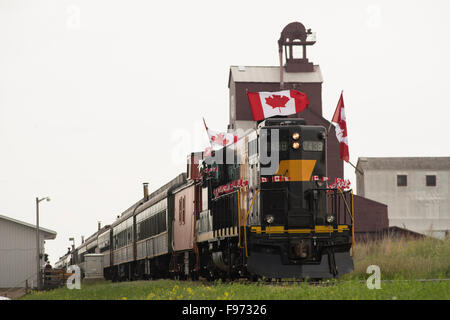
[259,207]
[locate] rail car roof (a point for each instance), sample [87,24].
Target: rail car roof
[96,233]
[154,197]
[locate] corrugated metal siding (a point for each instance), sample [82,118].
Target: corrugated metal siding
[106,259]
[153,247]
[17,254]
[124,254]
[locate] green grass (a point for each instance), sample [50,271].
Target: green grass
[399,261]
[427,258]
[186,290]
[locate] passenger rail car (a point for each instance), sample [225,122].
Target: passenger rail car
[257,208]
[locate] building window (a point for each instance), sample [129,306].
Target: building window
[431,181]
[402,180]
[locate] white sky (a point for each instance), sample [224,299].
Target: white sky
[97,97]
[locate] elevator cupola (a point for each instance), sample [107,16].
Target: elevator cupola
[293,41]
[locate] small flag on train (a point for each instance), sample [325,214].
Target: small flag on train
[341,128]
[279,178]
[318,178]
[219,139]
[281,103]
[340,183]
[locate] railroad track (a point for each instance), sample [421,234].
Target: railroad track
[314,282]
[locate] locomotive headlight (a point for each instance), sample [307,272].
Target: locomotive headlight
[296,145]
[295,136]
[270,219]
[330,219]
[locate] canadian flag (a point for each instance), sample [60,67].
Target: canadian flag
[341,128]
[269,104]
[218,139]
[279,178]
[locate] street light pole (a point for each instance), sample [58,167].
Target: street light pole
[38,244]
[38,258]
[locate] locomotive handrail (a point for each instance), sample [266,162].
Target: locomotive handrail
[345,202]
[245,222]
[353,224]
[351,214]
[239,218]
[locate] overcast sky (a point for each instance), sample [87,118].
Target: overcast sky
[97,97]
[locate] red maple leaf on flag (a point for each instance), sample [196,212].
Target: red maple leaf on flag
[277,101]
[220,139]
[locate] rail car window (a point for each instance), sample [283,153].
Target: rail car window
[123,233]
[152,226]
[182,210]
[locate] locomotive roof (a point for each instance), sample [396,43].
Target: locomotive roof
[154,197]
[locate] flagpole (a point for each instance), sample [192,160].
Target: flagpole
[362,173]
[328,131]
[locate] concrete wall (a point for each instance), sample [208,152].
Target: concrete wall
[18,254]
[416,207]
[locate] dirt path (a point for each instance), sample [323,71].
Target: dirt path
[13,293]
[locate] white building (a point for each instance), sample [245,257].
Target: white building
[18,252]
[416,191]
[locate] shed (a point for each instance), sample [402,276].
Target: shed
[18,252]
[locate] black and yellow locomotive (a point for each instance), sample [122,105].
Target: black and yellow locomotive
[289,224]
